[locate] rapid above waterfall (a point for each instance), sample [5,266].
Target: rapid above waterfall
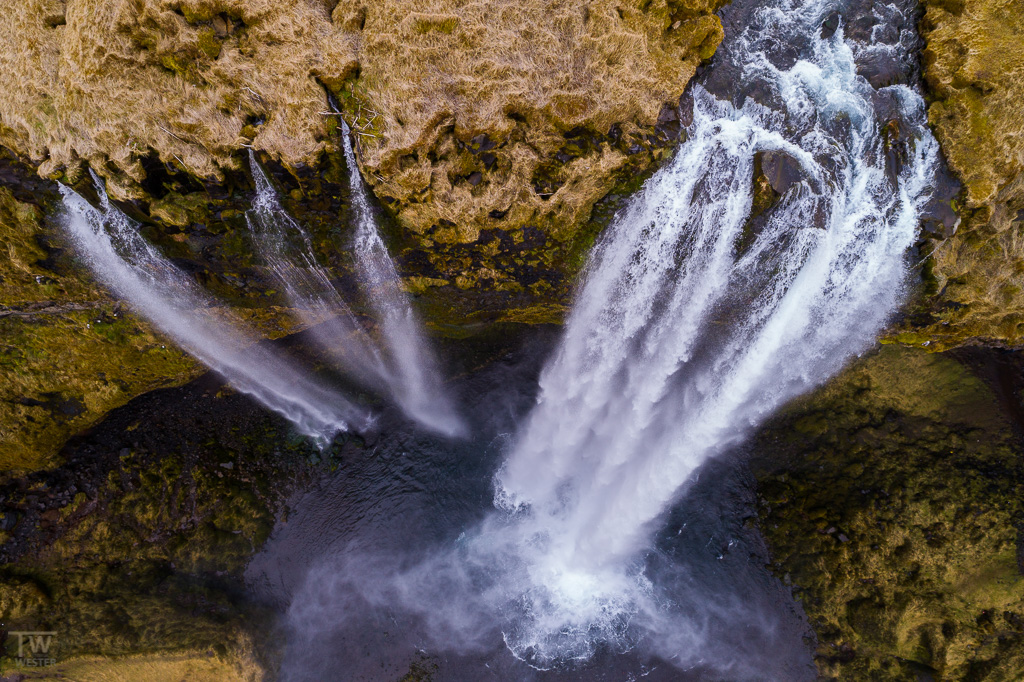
[111,245]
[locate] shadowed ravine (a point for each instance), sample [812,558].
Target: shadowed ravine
[596,534]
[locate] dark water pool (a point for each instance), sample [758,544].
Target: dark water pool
[410,495]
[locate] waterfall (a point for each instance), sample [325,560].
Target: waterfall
[414,367]
[696,320]
[158,291]
[288,250]
[405,370]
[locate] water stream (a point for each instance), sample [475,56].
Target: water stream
[402,366]
[418,382]
[110,243]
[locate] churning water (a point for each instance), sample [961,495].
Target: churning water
[696,320]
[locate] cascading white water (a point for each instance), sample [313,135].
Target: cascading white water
[696,320]
[693,326]
[417,382]
[406,369]
[158,291]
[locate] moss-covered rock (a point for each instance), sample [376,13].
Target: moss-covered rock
[974,69]
[133,549]
[893,502]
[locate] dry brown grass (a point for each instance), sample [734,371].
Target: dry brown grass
[106,81]
[524,73]
[174,667]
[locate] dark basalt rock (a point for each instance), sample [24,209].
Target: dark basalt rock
[830,25]
[781,170]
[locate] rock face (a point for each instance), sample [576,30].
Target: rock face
[974,68]
[472,119]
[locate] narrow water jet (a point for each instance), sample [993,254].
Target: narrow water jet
[108,240]
[404,369]
[288,251]
[416,376]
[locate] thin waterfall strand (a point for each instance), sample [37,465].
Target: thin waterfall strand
[288,250]
[418,382]
[110,243]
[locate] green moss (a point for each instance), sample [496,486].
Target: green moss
[891,498]
[209,44]
[64,371]
[181,210]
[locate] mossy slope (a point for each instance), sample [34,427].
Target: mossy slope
[893,500]
[68,352]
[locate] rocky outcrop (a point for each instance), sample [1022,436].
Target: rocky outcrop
[974,69]
[474,121]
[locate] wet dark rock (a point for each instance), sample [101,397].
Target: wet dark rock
[881,68]
[475,178]
[24,184]
[781,170]
[830,25]
[668,114]
[482,143]
[938,219]
[668,126]
[686,109]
